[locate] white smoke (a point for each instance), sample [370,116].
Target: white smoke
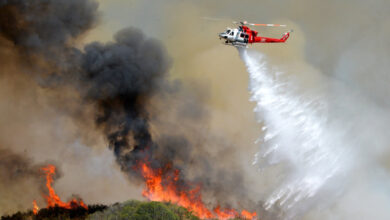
[318,159]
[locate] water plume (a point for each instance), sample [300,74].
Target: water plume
[297,137]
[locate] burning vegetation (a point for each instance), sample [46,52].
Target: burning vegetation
[56,208]
[163,185]
[53,199]
[35,207]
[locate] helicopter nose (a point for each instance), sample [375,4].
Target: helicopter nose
[222,35]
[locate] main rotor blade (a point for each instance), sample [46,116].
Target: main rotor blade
[269,25]
[245,22]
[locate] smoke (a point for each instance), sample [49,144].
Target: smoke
[44,26]
[115,85]
[116,78]
[120,78]
[21,180]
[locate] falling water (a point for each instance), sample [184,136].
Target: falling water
[295,134]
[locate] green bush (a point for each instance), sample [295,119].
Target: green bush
[143,211]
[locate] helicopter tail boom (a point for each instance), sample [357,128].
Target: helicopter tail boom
[272,40]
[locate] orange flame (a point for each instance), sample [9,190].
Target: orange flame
[166,190]
[226,213]
[53,199]
[35,207]
[248,215]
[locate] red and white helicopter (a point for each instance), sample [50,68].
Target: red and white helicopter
[243,35]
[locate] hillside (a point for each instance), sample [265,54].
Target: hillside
[127,210]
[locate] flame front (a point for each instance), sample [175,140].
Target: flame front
[165,188]
[161,186]
[53,199]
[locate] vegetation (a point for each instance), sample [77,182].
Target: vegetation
[132,209]
[143,211]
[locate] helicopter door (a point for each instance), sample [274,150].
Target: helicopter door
[241,36]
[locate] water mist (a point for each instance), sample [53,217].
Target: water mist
[298,137]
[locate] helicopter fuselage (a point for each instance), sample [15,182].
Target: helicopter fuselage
[244,35]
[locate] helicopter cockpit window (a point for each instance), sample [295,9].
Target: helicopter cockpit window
[228,31]
[232,33]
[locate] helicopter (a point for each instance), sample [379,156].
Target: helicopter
[243,35]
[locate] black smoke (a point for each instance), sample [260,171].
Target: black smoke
[45,25]
[118,79]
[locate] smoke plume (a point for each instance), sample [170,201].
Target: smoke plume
[113,84]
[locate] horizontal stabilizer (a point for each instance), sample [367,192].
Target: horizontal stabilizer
[286,35]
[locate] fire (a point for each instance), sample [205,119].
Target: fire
[161,185]
[165,188]
[226,213]
[53,199]
[248,215]
[35,207]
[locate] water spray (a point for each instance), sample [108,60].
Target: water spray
[296,135]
